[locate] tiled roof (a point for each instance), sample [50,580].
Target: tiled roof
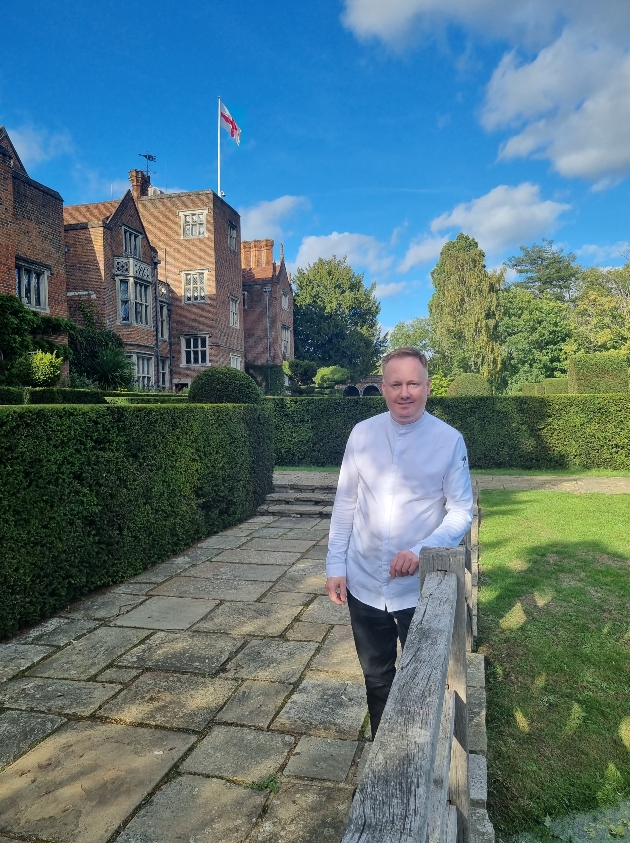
[94,212]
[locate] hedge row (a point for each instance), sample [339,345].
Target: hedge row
[93,495]
[149,398]
[554,431]
[603,372]
[49,395]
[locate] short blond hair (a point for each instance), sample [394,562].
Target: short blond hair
[406,351]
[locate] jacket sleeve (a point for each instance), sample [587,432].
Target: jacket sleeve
[343,514]
[459,503]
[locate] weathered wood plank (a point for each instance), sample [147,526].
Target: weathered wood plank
[392,798]
[439,791]
[453,560]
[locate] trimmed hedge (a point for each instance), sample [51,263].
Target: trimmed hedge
[93,495]
[224,385]
[529,389]
[556,386]
[468,384]
[555,431]
[57,395]
[604,372]
[269,378]
[11,395]
[150,398]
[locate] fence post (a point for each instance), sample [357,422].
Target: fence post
[454,561]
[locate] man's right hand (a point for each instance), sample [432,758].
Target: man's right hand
[336,588]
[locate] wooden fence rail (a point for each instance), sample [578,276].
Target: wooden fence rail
[414,788]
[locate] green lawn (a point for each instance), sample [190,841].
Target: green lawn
[554,623]
[551,472]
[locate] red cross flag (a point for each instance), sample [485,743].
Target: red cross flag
[229,124]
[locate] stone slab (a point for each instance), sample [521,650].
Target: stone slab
[67,632]
[191,809]
[297,522]
[89,655]
[271,532]
[255,703]
[19,730]
[120,675]
[481,829]
[249,619]
[307,631]
[321,758]
[257,557]
[234,752]
[190,652]
[167,613]
[174,700]
[317,552]
[477,738]
[139,588]
[106,606]
[323,610]
[223,541]
[31,635]
[289,598]
[196,587]
[275,661]
[241,530]
[339,655]
[305,575]
[160,573]
[303,813]
[326,707]
[291,545]
[475,672]
[56,695]
[316,533]
[79,784]
[234,571]
[478,780]
[17,657]
[260,519]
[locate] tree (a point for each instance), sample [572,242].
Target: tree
[600,313]
[544,270]
[335,318]
[301,371]
[415,333]
[533,333]
[464,310]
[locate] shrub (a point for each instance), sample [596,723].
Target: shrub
[269,378]
[328,376]
[599,373]
[93,495]
[168,398]
[468,384]
[45,368]
[11,395]
[301,371]
[562,431]
[223,385]
[54,395]
[440,384]
[529,389]
[556,386]
[111,368]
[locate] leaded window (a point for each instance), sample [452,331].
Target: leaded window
[194,286]
[194,224]
[196,350]
[142,300]
[234,321]
[132,243]
[31,287]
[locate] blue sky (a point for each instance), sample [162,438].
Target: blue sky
[369,128]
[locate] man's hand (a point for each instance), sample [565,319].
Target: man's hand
[336,588]
[403,564]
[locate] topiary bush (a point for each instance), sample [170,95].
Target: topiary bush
[468,384]
[223,385]
[599,373]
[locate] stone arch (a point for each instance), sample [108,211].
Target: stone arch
[351,392]
[371,389]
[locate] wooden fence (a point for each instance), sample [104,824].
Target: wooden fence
[414,788]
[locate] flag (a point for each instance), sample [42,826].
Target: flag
[229,124]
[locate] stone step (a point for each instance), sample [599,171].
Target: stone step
[477,738]
[481,829]
[290,495]
[320,510]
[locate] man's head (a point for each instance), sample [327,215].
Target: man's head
[406,384]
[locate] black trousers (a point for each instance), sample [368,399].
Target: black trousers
[376,633]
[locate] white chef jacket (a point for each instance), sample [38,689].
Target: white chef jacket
[401,487]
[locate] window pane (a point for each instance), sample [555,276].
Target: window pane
[124,311]
[18,283]
[124,289]
[37,290]
[27,286]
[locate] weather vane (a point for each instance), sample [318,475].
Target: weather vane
[148,158]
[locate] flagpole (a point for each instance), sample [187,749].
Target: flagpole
[219,150]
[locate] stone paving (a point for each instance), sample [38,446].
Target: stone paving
[214,697]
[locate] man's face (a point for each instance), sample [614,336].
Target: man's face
[406,387]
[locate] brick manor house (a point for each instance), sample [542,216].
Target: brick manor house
[166,271]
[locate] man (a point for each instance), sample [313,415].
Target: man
[404,484]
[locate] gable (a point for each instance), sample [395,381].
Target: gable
[7,143]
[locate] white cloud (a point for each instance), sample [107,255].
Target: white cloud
[425,249]
[568,101]
[504,217]
[383,291]
[36,145]
[361,250]
[600,254]
[263,219]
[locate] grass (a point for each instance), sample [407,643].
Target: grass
[551,472]
[554,623]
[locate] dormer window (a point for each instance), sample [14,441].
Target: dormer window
[132,243]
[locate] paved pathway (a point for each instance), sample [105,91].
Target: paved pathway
[515,482]
[215,697]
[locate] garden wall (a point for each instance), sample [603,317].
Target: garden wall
[554,431]
[92,495]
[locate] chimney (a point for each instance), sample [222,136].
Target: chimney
[140,183]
